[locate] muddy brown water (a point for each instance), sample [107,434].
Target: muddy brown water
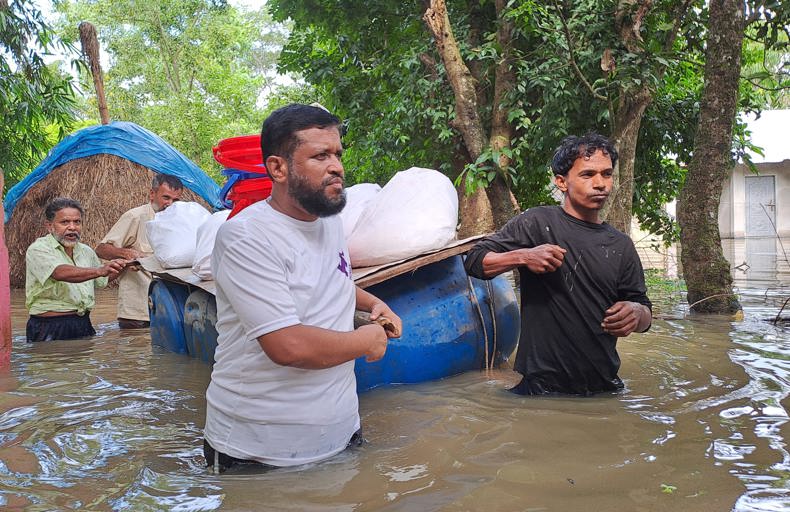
[110,423]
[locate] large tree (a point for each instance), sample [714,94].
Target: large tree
[706,271]
[37,100]
[191,71]
[487,89]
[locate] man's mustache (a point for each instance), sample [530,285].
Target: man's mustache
[331,180]
[69,238]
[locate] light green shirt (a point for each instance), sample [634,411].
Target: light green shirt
[43,293]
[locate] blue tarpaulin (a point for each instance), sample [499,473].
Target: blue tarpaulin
[126,140]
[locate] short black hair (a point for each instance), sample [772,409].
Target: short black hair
[278,133]
[171,181]
[60,203]
[572,148]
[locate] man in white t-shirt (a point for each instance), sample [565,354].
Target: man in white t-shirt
[283,390]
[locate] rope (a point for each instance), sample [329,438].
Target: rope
[492,309]
[473,296]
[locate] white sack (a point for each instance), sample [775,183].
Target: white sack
[206,234]
[173,233]
[357,199]
[416,212]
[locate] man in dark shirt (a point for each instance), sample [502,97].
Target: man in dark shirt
[582,284]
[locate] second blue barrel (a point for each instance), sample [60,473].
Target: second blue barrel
[166,301]
[444,331]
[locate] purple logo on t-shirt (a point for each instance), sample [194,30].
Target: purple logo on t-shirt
[343,265]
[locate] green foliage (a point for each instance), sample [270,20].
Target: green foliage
[376,64]
[666,139]
[191,71]
[664,292]
[765,75]
[36,100]
[365,62]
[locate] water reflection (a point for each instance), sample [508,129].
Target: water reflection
[110,423]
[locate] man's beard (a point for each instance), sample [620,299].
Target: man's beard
[314,200]
[62,240]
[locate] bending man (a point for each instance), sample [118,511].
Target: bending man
[582,284]
[283,390]
[60,276]
[127,239]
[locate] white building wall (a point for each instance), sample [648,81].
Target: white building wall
[732,208]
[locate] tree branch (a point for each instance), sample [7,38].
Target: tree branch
[630,27]
[771,89]
[505,78]
[430,64]
[467,118]
[572,57]
[677,19]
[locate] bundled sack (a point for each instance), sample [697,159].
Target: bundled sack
[173,233]
[357,199]
[206,234]
[416,212]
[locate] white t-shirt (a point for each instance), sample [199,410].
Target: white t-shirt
[273,271]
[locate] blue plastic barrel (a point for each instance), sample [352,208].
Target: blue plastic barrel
[200,319]
[166,301]
[445,324]
[443,333]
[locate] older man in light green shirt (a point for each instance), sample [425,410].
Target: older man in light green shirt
[60,276]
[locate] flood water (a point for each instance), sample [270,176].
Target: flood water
[111,423]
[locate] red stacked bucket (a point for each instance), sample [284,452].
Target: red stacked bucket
[243,162]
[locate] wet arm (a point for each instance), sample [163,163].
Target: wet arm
[73,274]
[314,348]
[539,260]
[110,252]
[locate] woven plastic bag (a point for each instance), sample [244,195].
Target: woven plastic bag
[206,235]
[416,212]
[173,233]
[357,199]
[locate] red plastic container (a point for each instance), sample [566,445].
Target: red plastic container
[242,153]
[247,192]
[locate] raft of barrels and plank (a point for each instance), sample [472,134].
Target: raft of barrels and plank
[452,323]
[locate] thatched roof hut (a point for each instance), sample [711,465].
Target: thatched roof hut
[107,168]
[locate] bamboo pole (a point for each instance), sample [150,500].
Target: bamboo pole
[90,48]
[5,292]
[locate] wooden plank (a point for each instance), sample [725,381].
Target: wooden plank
[388,272]
[363,276]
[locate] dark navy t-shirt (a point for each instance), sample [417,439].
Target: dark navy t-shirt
[562,348]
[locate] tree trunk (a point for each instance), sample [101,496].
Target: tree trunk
[625,135]
[503,203]
[705,269]
[5,293]
[467,117]
[629,16]
[475,213]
